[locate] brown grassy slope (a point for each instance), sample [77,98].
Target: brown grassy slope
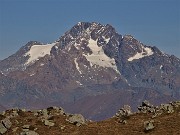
[165,124]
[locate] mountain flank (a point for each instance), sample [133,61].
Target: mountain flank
[92,70]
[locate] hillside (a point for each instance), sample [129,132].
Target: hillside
[164,119]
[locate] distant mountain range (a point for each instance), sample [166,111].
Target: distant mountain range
[91,70]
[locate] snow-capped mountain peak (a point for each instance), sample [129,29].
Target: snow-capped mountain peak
[92,64]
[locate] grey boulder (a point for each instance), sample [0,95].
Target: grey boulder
[76,119]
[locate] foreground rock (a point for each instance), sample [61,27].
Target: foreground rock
[148,125]
[2,129]
[48,123]
[146,107]
[76,119]
[5,125]
[124,113]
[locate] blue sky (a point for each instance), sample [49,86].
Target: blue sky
[153,22]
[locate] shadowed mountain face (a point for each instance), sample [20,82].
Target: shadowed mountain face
[91,69]
[2,108]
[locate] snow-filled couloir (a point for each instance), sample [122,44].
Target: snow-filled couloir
[146,51]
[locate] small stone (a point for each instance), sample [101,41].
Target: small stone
[123,121]
[35,129]
[148,125]
[155,115]
[31,133]
[78,124]
[63,127]
[48,123]
[15,129]
[167,107]
[26,127]
[76,119]
[35,114]
[17,122]
[146,103]
[24,110]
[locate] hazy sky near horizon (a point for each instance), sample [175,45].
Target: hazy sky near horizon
[153,22]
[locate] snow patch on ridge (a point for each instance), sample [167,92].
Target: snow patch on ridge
[78,82]
[142,54]
[106,39]
[161,67]
[38,51]
[77,66]
[98,57]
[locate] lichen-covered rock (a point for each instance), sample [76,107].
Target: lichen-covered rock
[26,127]
[146,107]
[146,103]
[148,125]
[2,129]
[125,111]
[167,107]
[48,123]
[63,127]
[36,113]
[45,113]
[56,110]
[7,123]
[76,119]
[15,129]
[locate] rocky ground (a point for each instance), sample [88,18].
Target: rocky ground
[150,120]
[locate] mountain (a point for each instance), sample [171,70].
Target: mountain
[91,67]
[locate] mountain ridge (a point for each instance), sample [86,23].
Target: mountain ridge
[89,60]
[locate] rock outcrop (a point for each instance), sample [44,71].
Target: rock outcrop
[76,119]
[148,125]
[5,124]
[124,113]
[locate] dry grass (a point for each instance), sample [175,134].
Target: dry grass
[165,124]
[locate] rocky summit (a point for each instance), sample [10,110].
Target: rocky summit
[54,120]
[92,70]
